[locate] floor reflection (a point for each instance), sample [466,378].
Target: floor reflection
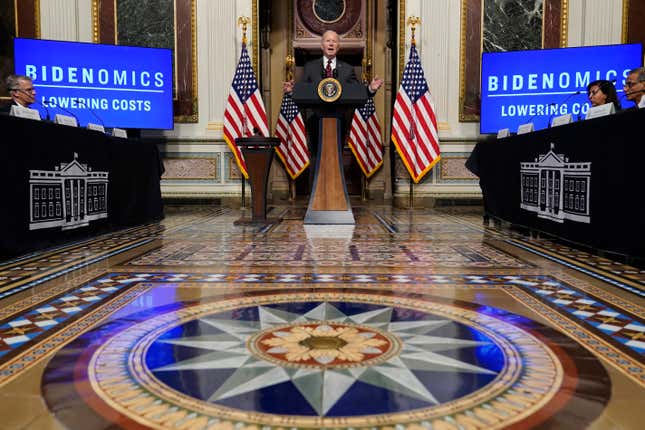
[409,319]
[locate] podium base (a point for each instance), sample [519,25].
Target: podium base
[329,217]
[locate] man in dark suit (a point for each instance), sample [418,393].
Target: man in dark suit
[22,92]
[328,66]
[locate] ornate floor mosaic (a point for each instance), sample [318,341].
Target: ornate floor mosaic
[408,320]
[325,252]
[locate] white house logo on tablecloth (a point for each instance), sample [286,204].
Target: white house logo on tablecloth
[70,196]
[556,188]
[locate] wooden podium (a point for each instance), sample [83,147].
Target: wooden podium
[258,155]
[329,201]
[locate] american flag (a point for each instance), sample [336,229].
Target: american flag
[365,138]
[414,124]
[245,114]
[290,128]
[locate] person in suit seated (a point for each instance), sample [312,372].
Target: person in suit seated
[601,92]
[22,92]
[635,86]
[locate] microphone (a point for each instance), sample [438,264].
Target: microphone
[625,94]
[66,111]
[82,104]
[563,102]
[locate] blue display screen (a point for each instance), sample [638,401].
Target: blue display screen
[534,86]
[112,85]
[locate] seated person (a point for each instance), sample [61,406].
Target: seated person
[602,92]
[22,92]
[635,86]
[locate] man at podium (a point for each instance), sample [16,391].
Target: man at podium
[329,66]
[330,90]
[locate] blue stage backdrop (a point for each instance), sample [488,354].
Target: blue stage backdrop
[537,85]
[112,85]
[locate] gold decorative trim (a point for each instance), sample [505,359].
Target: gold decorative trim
[37,17]
[95,21]
[462,59]
[116,24]
[255,28]
[193,44]
[625,22]
[175,94]
[290,29]
[370,34]
[564,24]
[401,38]
[15,16]
[542,25]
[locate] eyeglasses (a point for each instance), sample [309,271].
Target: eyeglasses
[629,84]
[28,90]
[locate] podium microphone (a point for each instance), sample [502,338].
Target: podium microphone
[78,123]
[82,104]
[625,94]
[563,102]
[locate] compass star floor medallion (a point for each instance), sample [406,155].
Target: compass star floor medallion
[321,360]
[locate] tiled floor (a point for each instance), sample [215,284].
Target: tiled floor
[411,319]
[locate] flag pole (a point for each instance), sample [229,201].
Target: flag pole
[243,21]
[412,22]
[365,76]
[414,125]
[289,64]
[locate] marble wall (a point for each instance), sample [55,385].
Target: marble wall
[512,25]
[146,23]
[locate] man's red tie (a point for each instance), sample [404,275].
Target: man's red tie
[328,72]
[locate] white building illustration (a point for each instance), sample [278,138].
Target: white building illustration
[70,196]
[555,188]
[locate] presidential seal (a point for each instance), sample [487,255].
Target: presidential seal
[329,90]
